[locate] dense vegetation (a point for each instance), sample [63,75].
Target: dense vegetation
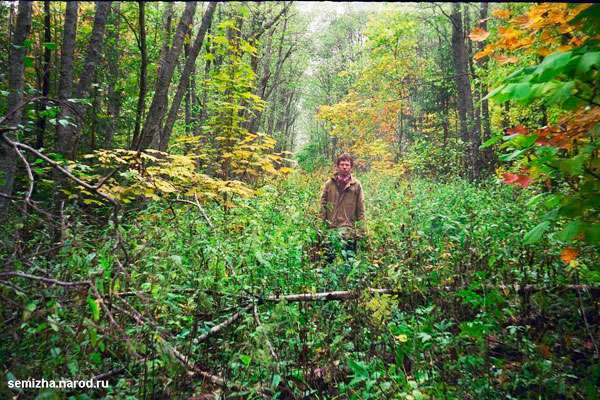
[161,165]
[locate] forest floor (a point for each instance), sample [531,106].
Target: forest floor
[187,272]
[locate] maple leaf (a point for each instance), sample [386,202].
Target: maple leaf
[517,130]
[479,34]
[544,51]
[485,52]
[502,59]
[522,20]
[523,181]
[501,13]
[509,178]
[568,254]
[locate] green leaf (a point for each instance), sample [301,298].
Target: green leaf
[523,141]
[424,336]
[511,156]
[552,65]
[592,233]
[490,142]
[562,93]
[359,369]
[276,380]
[570,231]
[587,61]
[245,359]
[31,306]
[49,45]
[94,308]
[534,235]
[96,358]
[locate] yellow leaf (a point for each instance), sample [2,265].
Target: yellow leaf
[483,53]
[544,51]
[501,13]
[568,254]
[565,47]
[502,59]
[479,34]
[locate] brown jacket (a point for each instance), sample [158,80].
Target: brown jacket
[345,208]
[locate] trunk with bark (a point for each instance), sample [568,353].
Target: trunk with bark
[150,136]
[65,83]
[68,135]
[45,87]
[185,75]
[488,154]
[139,112]
[469,132]
[16,83]
[114,94]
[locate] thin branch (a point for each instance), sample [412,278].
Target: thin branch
[60,168]
[217,328]
[29,176]
[258,324]
[268,26]
[351,295]
[197,204]
[46,280]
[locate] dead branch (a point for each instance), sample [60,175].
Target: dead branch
[108,374]
[192,370]
[350,295]
[199,206]
[46,280]
[217,328]
[95,188]
[258,324]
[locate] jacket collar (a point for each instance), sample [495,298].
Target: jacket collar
[351,182]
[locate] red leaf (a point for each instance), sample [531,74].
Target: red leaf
[524,181]
[514,179]
[509,178]
[517,130]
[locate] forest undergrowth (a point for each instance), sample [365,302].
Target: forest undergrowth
[454,324]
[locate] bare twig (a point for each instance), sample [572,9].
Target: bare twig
[94,188]
[46,280]
[258,324]
[197,204]
[269,25]
[217,328]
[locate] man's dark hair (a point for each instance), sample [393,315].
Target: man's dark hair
[345,157]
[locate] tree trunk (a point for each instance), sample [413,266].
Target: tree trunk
[114,94]
[150,136]
[139,112]
[16,83]
[41,126]
[469,132]
[488,154]
[94,49]
[185,75]
[68,135]
[188,93]
[65,141]
[204,102]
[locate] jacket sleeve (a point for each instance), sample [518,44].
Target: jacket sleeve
[360,204]
[324,200]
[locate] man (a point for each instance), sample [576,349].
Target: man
[342,201]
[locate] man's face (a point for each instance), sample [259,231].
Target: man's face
[344,167]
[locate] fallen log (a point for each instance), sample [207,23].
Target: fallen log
[355,294]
